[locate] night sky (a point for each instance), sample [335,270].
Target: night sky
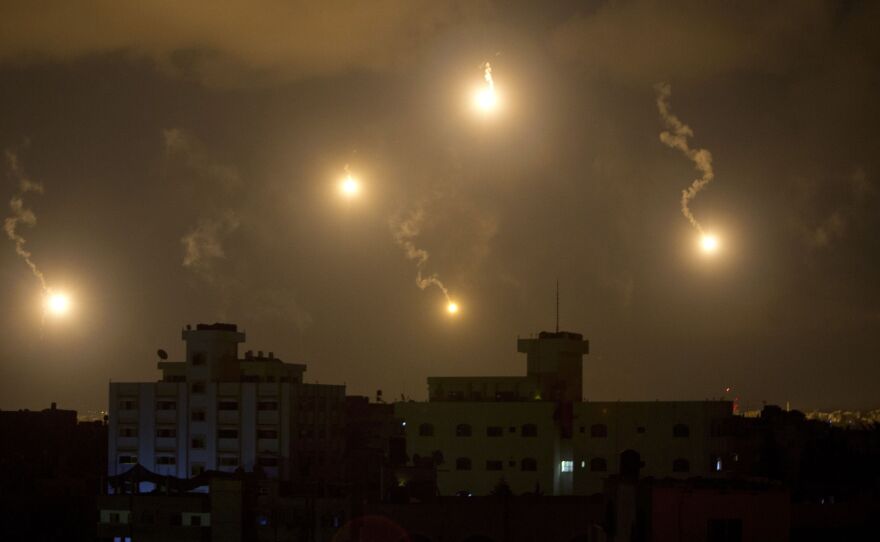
[190,158]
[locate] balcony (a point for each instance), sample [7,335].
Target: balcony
[228,417]
[267,417]
[227,444]
[166,416]
[126,443]
[166,443]
[127,416]
[267,445]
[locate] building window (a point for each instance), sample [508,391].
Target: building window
[566,466]
[267,433]
[166,405]
[267,461]
[198,443]
[198,415]
[529,430]
[166,432]
[583,429]
[227,405]
[640,429]
[680,430]
[195,471]
[463,463]
[227,433]
[166,460]
[128,431]
[494,431]
[267,405]
[494,464]
[681,465]
[511,429]
[198,387]
[724,530]
[195,521]
[529,464]
[426,430]
[462,430]
[598,430]
[598,464]
[127,404]
[228,461]
[511,463]
[128,459]
[114,517]
[198,358]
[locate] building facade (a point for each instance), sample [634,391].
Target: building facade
[535,434]
[217,411]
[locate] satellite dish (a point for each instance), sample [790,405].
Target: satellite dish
[162,354]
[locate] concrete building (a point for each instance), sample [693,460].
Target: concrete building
[218,411]
[537,435]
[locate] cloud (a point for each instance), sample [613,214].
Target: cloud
[646,40]
[820,228]
[203,245]
[231,42]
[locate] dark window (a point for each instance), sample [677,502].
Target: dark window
[267,461]
[583,429]
[426,430]
[176,519]
[529,430]
[228,461]
[227,405]
[129,431]
[127,404]
[494,431]
[681,465]
[267,405]
[598,430]
[598,464]
[511,463]
[267,433]
[198,358]
[198,443]
[724,530]
[227,433]
[529,464]
[197,469]
[195,521]
[640,429]
[128,459]
[166,405]
[198,387]
[114,517]
[462,430]
[511,429]
[463,463]
[198,415]
[494,464]
[680,430]
[166,460]
[166,432]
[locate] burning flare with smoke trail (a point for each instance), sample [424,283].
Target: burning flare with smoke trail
[486,99]
[676,136]
[405,231]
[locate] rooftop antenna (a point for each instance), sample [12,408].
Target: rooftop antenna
[557,305]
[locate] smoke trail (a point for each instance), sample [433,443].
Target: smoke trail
[22,214]
[405,231]
[676,136]
[487,75]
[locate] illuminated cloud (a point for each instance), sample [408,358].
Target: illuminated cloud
[232,43]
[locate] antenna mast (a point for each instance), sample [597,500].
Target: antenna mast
[557,305]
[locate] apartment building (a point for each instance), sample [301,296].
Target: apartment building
[216,411]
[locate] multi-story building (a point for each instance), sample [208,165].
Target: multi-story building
[217,411]
[535,434]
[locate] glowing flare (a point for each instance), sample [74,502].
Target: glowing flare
[350,187]
[486,99]
[58,304]
[452,307]
[709,243]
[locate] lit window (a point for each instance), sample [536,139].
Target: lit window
[718,464]
[583,464]
[567,466]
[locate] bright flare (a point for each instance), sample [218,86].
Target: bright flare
[58,304]
[452,307]
[350,187]
[709,243]
[485,99]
